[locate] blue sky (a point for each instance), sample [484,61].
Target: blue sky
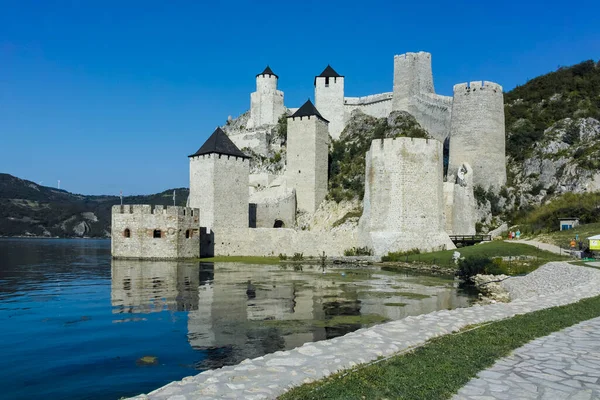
[113,95]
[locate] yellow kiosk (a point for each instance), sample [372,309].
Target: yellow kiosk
[594,243]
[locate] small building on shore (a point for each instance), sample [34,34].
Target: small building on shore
[568,223]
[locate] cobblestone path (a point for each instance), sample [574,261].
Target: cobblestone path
[563,365]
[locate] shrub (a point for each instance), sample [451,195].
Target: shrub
[358,251]
[283,256]
[298,257]
[471,266]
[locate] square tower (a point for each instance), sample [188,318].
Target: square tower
[307,156]
[219,177]
[329,98]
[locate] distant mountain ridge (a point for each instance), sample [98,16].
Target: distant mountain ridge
[29,209]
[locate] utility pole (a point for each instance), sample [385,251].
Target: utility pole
[58,184]
[173,197]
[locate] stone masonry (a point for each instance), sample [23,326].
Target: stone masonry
[266,104]
[146,232]
[477,132]
[403,206]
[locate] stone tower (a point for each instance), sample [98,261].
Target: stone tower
[412,76]
[403,206]
[329,99]
[266,104]
[219,183]
[307,156]
[477,134]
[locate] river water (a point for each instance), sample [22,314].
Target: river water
[77,325]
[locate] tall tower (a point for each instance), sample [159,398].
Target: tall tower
[266,104]
[477,134]
[329,98]
[412,76]
[307,156]
[219,174]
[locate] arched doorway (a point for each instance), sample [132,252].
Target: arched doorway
[278,224]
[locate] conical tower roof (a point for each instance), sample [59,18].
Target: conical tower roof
[268,71]
[329,72]
[307,110]
[219,143]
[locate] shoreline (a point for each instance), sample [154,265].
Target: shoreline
[274,374]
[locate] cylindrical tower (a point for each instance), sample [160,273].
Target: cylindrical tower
[266,104]
[477,134]
[266,81]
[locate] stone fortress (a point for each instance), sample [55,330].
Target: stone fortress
[408,202]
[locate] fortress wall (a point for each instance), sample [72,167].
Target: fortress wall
[307,160]
[329,101]
[403,207]
[268,241]
[377,105]
[282,208]
[433,112]
[143,220]
[477,132]
[219,188]
[256,140]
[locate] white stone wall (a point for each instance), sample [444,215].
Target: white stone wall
[403,207]
[266,104]
[460,204]
[219,188]
[433,112]
[142,220]
[329,101]
[376,105]
[276,203]
[307,160]
[477,132]
[257,140]
[272,242]
[412,76]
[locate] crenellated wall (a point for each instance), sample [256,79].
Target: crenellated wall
[477,132]
[412,76]
[219,188]
[403,206]
[134,228]
[376,105]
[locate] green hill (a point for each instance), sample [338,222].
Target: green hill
[29,209]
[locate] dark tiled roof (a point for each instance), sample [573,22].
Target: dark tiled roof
[308,109]
[219,143]
[268,71]
[329,73]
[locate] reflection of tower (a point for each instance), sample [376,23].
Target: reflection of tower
[153,286]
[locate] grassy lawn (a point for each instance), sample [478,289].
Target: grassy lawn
[242,259]
[496,248]
[442,366]
[562,238]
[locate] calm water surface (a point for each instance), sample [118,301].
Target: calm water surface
[75,323]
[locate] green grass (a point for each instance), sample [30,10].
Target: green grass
[242,259]
[563,238]
[442,366]
[496,248]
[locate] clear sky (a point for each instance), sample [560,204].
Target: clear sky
[113,95]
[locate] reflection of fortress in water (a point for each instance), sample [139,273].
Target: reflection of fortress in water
[230,319]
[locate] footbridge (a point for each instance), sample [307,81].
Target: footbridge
[469,240]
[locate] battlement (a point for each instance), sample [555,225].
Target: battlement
[477,85]
[155,209]
[218,156]
[412,55]
[370,99]
[412,145]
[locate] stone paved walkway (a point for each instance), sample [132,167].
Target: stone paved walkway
[542,246]
[563,365]
[273,374]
